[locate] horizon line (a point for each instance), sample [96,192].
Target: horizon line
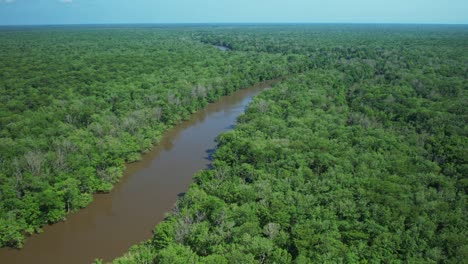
[234,23]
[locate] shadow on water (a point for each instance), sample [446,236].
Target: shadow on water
[209,154]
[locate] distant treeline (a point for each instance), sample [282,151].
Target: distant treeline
[360,159]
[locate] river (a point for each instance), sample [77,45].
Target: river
[149,188]
[222,48]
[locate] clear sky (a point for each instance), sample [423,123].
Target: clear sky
[20,12]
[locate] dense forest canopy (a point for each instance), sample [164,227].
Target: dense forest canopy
[76,103]
[358,155]
[361,158]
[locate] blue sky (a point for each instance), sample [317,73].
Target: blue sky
[20,12]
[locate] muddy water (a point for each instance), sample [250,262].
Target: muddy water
[115,221]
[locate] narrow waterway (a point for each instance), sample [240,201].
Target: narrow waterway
[222,48]
[115,221]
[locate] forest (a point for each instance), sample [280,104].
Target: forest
[359,159]
[359,154]
[76,104]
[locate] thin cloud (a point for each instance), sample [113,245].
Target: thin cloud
[7,1]
[65,1]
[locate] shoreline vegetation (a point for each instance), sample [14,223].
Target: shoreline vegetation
[358,155]
[77,105]
[362,158]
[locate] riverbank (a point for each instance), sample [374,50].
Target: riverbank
[125,216]
[81,102]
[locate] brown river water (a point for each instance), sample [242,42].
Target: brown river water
[149,188]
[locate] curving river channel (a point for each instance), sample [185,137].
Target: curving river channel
[115,221]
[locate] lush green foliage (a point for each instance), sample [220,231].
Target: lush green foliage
[76,103]
[361,159]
